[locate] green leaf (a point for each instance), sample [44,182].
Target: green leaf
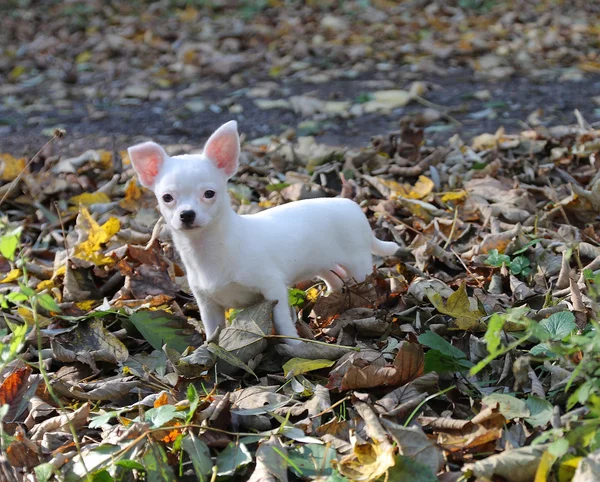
[47,302]
[156,463]
[559,447]
[43,472]
[194,399]
[9,243]
[540,411]
[526,246]
[103,419]
[496,259]
[541,349]
[296,297]
[509,406]
[310,461]
[277,186]
[199,455]
[520,265]
[229,358]
[16,297]
[297,366]
[232,458]
[129,464]
[436,342]
[436,361]
[159,328]
[336,477]
[560,325]
[582,394]
[407,469]
[102,476]
[493,333]
[161,415]
[26,290]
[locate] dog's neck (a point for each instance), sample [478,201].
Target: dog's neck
[207,249]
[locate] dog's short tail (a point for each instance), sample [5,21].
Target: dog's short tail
[383,248]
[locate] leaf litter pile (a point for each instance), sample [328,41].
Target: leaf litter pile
[472,353]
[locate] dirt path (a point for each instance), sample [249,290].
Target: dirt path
[479,106]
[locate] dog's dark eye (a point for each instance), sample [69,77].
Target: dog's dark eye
[209,194]
[167,198]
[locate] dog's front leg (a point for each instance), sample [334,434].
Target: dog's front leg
[212,315]
[282,317]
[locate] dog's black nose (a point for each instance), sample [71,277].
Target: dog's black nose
[187,217]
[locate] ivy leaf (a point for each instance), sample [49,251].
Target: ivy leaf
[496,259]
[520,265]
[296,297]
[161,415]
[560,325]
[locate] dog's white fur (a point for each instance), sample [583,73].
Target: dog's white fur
[234,261]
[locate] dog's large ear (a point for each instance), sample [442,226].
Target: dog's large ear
[147,160]
[223,148]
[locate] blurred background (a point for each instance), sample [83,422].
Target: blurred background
[113,72]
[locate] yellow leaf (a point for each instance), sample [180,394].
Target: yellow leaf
[275,71]
[11,276]
[189,57]
[11,166]
[86,305]
[60,271]
[484,141]
[27,316]
[459,307]
[125,158]
[45,285]
[98,236]
[265,204]
[190,14]
[543,470]
[590,66]
[312,294]
[567,468]
[397,189]
[105,159]
[16,72]
[422,188]
[164,83]
[454,196]
[367,462]
[83,57]
[89,198]
[132,194]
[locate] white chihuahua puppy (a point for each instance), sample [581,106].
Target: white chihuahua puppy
[235,261]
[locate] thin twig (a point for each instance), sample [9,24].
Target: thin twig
[452,229]
[329,409]
[438,107]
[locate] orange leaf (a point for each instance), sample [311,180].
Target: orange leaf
[163,399]
[13,385]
